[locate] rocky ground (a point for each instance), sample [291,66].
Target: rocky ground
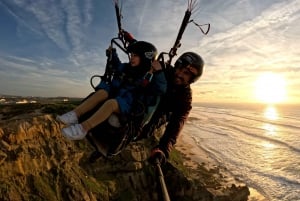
[37,163]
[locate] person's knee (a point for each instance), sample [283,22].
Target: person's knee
[113,104]
[101,94]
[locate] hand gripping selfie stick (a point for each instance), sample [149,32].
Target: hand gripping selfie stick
[163,186]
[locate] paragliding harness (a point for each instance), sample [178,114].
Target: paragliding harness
[108,139]
[113,135]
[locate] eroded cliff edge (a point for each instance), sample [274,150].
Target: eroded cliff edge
[37,163]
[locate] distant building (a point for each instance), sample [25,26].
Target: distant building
[22,101]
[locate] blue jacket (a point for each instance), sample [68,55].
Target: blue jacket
[128,85]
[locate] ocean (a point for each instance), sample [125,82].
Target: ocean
[258,144]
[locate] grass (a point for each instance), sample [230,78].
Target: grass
[9,111]
[59,108]
[94,186]
[44,189]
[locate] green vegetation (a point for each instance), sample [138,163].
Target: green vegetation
[59,108]
[43,188]
[176,159]
[13,110]
[95,186]
[9,111]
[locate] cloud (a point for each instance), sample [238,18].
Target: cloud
[63,22]
[258,40]
[24,76]
[246,38]
[266,41]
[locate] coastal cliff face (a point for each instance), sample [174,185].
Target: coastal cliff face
[37,163]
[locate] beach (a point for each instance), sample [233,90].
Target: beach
[255,145]
[194,156]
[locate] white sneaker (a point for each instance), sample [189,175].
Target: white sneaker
[74,132]
[68,118]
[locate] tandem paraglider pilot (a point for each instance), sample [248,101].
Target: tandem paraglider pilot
[175,104]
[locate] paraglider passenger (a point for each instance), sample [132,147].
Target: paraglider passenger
[119,95]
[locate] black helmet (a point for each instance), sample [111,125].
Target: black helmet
[193,59]
[145,50]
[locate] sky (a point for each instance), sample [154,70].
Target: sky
[52,48]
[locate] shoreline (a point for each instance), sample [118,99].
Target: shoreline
[195,156]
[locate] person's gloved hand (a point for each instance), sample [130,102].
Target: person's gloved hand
[110,50]
[128,36]
[157,155]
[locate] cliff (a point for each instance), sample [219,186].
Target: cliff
[37,163]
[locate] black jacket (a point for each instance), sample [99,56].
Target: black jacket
[175,105]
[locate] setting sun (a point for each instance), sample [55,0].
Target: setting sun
[270,88]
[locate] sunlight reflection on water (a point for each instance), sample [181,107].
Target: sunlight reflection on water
[269,128]
[271,113]
[268,145]
[258,144]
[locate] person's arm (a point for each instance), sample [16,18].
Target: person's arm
[177,120]
[158,85]
[115,64]
[115,60]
